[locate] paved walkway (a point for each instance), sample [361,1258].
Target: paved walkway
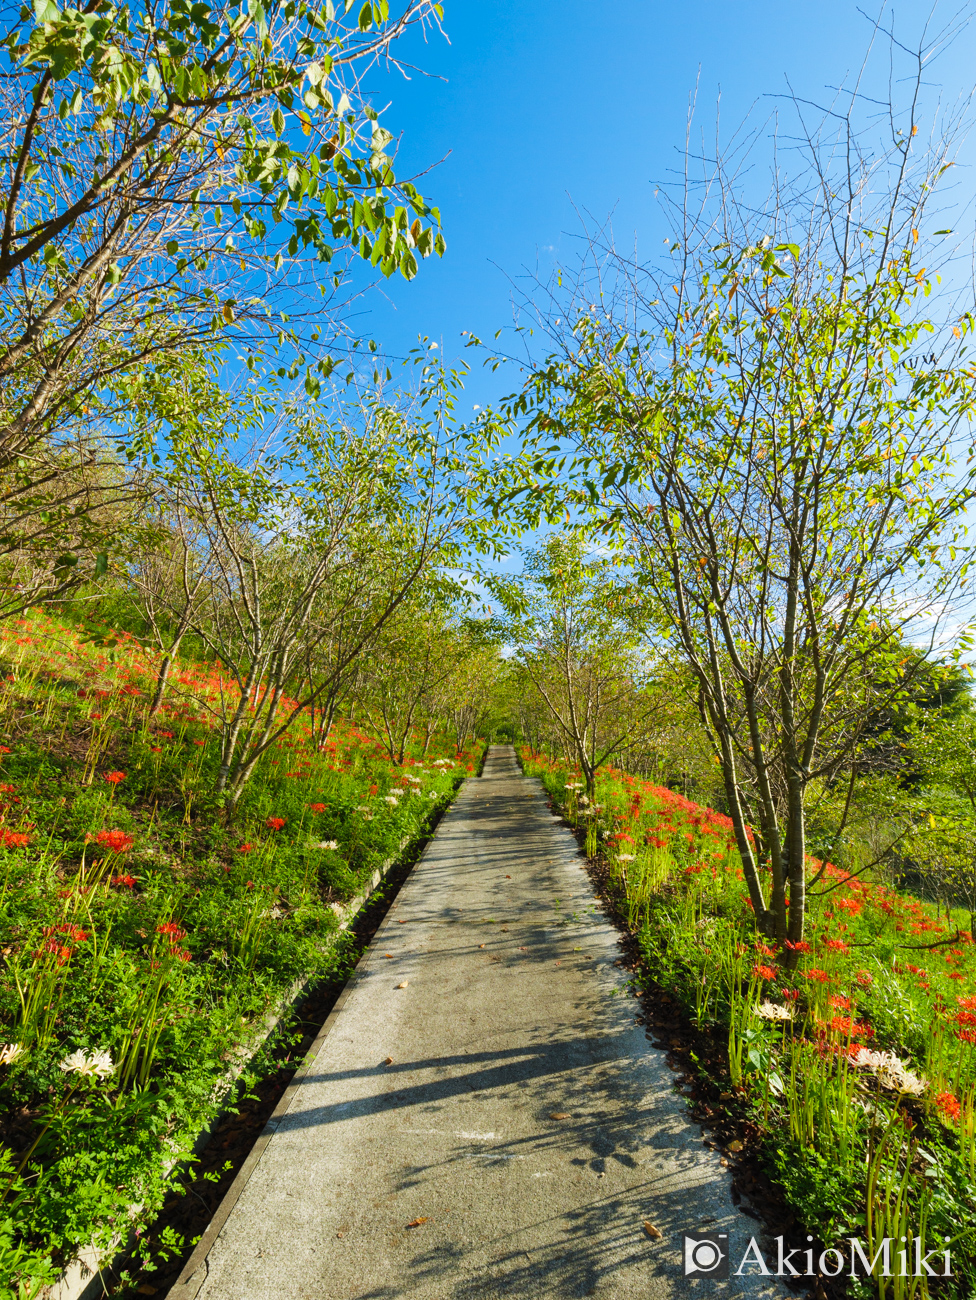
[524,1128]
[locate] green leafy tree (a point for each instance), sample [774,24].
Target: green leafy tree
[168,174]
[776,427]
[569,625]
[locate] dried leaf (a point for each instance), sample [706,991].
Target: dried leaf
[415,1223]
[401,922]
[403,984]
[388,1061]
[654,1233]
[388,954]
[734,1146]
[560,1114]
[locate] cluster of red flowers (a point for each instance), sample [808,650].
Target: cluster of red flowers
[275,823]
[760,972]
[948,1104]
[14,839]
[55,937]
[317,807]
[172,930]
[115,841]
[113,778]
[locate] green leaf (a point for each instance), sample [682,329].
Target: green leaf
[366,17]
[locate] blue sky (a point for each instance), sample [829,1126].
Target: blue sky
[547,105]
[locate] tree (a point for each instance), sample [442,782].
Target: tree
[402,687]
[309,548]
[577,647]
[168,171]
[776,429]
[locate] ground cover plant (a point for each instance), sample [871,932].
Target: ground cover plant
[854,1050]
[143,933]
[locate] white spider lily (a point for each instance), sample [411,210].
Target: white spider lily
[772,1011]
[88,1064]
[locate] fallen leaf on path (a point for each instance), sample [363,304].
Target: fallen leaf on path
[560,1114]
[401,922]
[734,1146]
[725,1096]
[403,984]
[652,1232]
[508,877]
[388,954]
[388,1061]
[415,1223]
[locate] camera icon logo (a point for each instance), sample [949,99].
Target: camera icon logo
[707,1254]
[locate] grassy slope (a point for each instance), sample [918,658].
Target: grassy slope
[134,923]
[864,979]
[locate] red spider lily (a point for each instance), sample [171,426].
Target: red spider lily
[115,841]
[838,1001]
[74,932]
[15,839]
[164,735]
[760,972]
[969,1004]
[61,952]
[851,905]
[966,1035]
[317,807]
[374,789]
[180,953]
[836,945]
[790,995]
[800,946]
[198,742]
[244,848]
[850,1027]
[948,1104]
[965,1018]
[127,881]
[113,778]
[865,979]
[820,976]
[275,823]
[249,885]
[765,949]
[172,929]
[4,749]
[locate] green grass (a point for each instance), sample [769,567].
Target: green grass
[135,923]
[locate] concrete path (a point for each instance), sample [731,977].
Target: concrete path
[525,1128]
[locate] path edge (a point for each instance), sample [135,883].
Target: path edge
[190,1281]
[82,1278]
